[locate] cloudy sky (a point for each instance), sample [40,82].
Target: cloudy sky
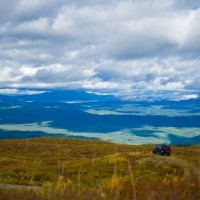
[100,44]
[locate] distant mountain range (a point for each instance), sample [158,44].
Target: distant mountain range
[58,95]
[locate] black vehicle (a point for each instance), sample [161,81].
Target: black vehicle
[162,149]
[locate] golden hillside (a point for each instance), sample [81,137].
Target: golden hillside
[85,169]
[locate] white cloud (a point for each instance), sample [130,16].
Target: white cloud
[40,25]
[132,109]
[25,5]
[124,136]
[9,91]
[97,44]
[188,96]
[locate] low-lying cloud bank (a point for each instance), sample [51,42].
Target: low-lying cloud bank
[125,136]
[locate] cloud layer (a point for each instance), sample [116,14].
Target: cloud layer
[104,45]
[125,136]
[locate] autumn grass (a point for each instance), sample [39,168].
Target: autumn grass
[85,169]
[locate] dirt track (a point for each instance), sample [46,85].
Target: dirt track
[18,186]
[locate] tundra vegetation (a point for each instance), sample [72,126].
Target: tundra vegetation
[86,169]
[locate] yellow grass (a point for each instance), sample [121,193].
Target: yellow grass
[84,169]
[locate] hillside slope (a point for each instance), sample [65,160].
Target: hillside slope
[85,169]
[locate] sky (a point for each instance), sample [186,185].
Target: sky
[101,45]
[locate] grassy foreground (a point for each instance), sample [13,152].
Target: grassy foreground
[84,169]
